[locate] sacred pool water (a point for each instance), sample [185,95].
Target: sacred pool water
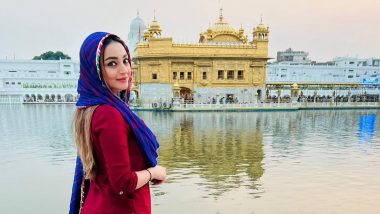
[319,161]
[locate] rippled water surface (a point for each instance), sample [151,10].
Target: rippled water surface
[218,162]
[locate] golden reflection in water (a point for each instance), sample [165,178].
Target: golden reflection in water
[226,151]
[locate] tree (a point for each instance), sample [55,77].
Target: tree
[50,55]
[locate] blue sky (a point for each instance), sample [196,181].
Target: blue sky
[324,28]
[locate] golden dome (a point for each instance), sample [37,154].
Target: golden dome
[222,32]
[155,25]
[146,34]
[261,26]
[222,26]
[241,30]
[154,29]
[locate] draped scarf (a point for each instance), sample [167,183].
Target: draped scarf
[93,90]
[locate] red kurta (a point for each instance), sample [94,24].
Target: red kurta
[117,158]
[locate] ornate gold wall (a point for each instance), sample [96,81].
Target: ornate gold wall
[223,58]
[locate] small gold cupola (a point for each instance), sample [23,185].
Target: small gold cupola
[260,32]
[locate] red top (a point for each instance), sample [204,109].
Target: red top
[117,157]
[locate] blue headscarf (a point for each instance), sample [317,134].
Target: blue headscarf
[93,90]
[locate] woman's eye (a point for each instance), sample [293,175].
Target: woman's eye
[125,61]
[111,64]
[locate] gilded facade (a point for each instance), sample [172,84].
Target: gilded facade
[225,65]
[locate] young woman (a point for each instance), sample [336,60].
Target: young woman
[117,151]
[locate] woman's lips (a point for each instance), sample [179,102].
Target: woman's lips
[122,79]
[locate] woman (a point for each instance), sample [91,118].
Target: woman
[117,151]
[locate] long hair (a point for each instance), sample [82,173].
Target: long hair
[82,136]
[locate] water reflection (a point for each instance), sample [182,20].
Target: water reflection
[37,130]
[226,150]
[224,162]
[367,124]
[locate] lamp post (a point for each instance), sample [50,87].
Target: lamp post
[349,96]
[242,92]
[315,96]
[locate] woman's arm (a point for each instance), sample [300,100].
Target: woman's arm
[156,174]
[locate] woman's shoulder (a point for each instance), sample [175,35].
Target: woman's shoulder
[107,109]
[107,113]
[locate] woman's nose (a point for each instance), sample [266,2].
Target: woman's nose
[125,69]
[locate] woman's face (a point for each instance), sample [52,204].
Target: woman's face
[116,69]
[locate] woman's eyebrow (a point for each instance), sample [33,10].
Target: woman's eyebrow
[114,57]
[111,57]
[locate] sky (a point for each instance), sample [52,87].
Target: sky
[323,28]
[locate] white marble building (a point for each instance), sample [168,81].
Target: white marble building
[344,73]
[38,81]
[136,34]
